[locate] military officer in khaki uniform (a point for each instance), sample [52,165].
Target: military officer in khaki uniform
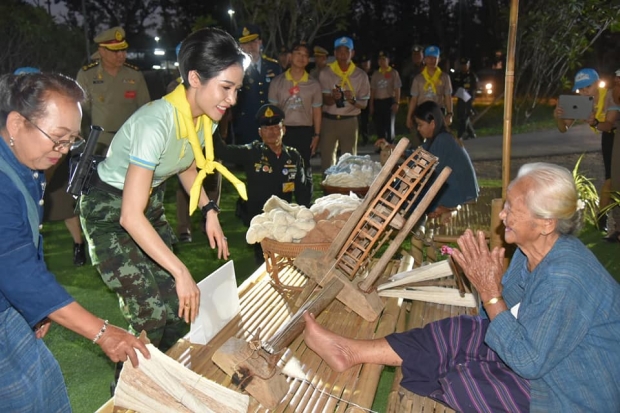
[114,88]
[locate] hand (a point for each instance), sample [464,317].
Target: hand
[216,235]
[348,95]
[189,297]
[558,112]
[314,145]
[119,345]
[381,143]
[482,267]
[336,94]
[42,327]
[448,119]
[592,119]
[409,123]
[394,108]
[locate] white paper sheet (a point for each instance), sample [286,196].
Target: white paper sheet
[219,303]
[462,94]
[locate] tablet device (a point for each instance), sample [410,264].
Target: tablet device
[576,106]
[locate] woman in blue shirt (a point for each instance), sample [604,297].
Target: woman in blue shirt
[39,120]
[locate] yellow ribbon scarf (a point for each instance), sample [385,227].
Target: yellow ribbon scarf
[389,69]
[289,77]
[185,129]
[600,115]
[343,75]
[431,81]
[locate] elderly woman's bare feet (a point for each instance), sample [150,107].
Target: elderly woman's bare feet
[335,350]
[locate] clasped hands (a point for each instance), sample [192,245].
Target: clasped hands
[483,268]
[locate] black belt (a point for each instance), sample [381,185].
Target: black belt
[96,182]
[338,117]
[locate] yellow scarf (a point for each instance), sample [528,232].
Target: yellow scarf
[289,77]
[389,69]
[185,129]
[431,81]
[343,75]
[600,115]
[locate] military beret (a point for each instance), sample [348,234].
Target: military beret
[112,39]
[248,33]
[384,54]
[268,115]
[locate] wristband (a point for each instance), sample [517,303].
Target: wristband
[100,333]
[210,205]
[494,300]
[317,134]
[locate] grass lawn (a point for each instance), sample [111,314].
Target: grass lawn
[88,371]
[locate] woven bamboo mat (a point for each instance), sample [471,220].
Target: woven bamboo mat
[265,307]
[414,315]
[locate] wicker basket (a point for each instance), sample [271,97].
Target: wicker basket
[279,255]
[328,189]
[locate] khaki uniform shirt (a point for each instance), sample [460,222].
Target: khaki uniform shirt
[444,87]
[383,85]
[111,100]
[298,101]
[361,90]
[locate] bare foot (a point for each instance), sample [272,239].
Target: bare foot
[335,350]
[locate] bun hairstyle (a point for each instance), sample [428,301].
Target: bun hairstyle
[553,195]
[208,51]
[27,93]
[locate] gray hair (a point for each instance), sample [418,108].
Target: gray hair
[553,195]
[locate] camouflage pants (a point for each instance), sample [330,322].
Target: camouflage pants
[146,291]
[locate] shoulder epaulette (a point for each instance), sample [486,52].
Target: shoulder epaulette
[91,65]
[269,59]
[131,66]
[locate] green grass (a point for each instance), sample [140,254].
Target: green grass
[88,371]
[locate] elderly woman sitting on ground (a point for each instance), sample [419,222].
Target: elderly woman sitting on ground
[551,339]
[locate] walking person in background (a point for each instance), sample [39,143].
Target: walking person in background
[346,91]
[300,97]
[39,121]
[114,88]
[465,83]
[385,87]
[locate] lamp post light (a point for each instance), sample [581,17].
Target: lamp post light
[231,13]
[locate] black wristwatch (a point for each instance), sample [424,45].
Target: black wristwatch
[211,205]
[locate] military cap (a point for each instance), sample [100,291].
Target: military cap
[416,48]
[464,60]
[112,39]
[248,33]
[268,115]
[319,51]
[384,54]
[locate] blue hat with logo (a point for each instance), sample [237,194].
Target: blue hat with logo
[584,78]
[343,41]
[432,51]
[26,69]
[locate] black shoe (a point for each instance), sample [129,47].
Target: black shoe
[601,223]
[79,254]
[185,237]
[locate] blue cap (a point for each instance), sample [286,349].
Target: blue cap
[584,78]
[26,69]
[432,51]
[343,41]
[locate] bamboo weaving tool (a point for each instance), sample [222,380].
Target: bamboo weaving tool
[343,272]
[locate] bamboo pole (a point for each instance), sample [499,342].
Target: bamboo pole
[509,93]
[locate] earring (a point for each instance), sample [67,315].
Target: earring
[11,141]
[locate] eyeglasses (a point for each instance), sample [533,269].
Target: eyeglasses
[59,144]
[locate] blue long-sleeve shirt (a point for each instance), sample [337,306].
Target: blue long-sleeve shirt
[566,339]
[25,282]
